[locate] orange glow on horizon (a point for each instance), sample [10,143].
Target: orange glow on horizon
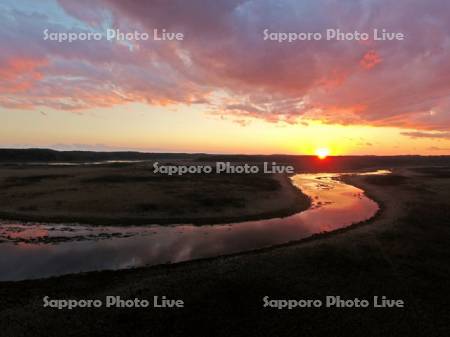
[322,152]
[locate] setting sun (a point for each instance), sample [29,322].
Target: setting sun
[322,152]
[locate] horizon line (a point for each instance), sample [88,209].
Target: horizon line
[218,154]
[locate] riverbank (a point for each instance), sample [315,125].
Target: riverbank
[400,254]
[131,194]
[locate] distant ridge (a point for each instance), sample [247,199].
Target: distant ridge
[301,162]
[48,155]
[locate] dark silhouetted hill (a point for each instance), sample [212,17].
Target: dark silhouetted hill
[301,162]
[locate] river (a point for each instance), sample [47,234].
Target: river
[37,250]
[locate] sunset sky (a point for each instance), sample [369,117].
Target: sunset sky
[223,88]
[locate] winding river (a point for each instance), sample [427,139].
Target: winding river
[37,250]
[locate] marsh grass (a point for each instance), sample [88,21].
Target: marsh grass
[434,172]
[28,180]
[386,180]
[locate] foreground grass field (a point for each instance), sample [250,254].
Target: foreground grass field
[402,254]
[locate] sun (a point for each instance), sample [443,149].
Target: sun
[322,152]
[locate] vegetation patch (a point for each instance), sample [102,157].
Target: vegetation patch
[386,180]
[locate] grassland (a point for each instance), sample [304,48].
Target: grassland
[132,194]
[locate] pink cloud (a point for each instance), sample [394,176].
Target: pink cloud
[19,74]
[370,59]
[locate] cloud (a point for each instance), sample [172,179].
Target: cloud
[83,74]
[370,59]
[225,64]
[436,148]
[331,76]
[420,134]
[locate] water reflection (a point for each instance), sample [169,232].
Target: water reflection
[41,250]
